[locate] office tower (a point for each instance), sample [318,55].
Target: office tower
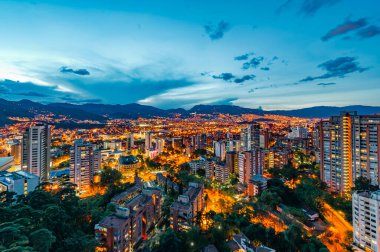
[220,150]
[36,151]
[250,137]
[298,132]
[349,149]
[366,220]
[84,162]
[148,140]
[232,162]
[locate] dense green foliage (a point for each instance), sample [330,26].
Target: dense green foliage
[55,220]
[224,226]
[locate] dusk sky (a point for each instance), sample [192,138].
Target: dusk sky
[277,54]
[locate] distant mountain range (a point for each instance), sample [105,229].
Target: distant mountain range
[101,112]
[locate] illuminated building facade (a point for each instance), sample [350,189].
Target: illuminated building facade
[36,151]
[222,172]
[128,164]
[85,161]
[349,149]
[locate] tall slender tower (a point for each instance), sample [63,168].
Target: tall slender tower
[36,151]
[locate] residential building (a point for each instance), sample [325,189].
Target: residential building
[220,150]
[232,162]
[349,148]
[222,172]
[366,220]
[137,211]
[184,211]
[298,132]
[36,151]
[85,161]
[250,137]
[257,184]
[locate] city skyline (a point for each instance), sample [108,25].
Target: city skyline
[275,55]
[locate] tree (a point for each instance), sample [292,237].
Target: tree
[364,184]
[293,235]
[169,241]
[270,198]
[110,177]
[42,239]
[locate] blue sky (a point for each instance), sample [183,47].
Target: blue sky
[274,54]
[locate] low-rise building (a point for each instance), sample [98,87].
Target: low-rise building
[20,182]
[257,184]
[128,164]
[138,210]
[184,211]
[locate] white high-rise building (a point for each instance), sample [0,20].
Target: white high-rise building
[36,151]
[366,220]
[84,162]
[160,143]
[220,150]
[250,137]
[298,132]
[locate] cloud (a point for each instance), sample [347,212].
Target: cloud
[346,27]
[70,99]
[229,77]
[244,56]
[338,67]
[253,63]
[32,94]
[216,31]
[308,7]
[244,78]
[326,84]
[224,76]
[83,71]
[369,32]
[227,101]
[4,89]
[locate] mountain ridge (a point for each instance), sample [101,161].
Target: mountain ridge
[102,112]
